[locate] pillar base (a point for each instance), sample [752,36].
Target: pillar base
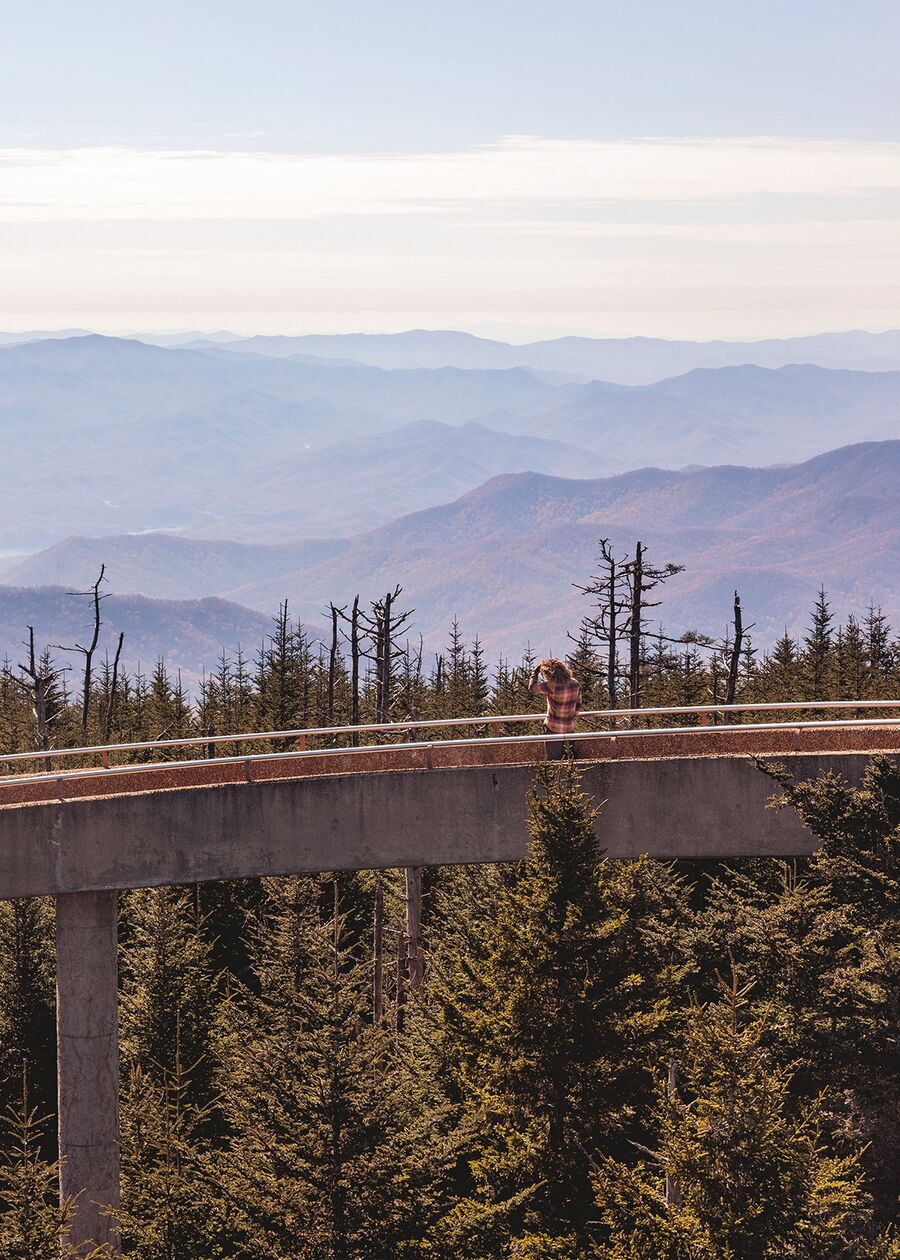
[87,1022]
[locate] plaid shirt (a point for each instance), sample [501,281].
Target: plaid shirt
[563,704]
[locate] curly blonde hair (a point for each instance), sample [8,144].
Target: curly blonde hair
[555,671]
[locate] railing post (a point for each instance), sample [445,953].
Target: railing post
[87,1025]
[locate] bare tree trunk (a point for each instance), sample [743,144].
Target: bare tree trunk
[401,980]
[89,656]
[635,628]
[355,652]
[113,686]
[39,683]
[332,666]
[378,975]
[415,956]
[386,661]
[736,646]
[613,635]
[673,1193]
[714,669]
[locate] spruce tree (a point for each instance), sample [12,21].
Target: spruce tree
[818,650]
[168,1210]
[735,1171]
[338,1148]
[28,1003]
[546,1022]
[168,997]
[33,1223]
[857,1010]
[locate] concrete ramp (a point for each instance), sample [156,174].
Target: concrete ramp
[677,807]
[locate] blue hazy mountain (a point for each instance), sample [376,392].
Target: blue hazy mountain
[504,556]
[109,435]
[628,360]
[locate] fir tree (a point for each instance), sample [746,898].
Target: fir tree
[736,1172]
[856,870]
[168,1211]
[337,1150]
[544,1027]
[168,995]
[818,645]
[27,1002]
[877,633]
[33,1223]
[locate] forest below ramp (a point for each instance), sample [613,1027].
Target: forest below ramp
[573,1057]
[566,1057]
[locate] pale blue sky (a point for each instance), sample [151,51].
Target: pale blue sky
[428,213]
[357,75]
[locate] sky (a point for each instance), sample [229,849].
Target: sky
[702,169]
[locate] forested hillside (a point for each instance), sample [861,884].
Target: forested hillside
[577,1059]
[504,558]
[218,444]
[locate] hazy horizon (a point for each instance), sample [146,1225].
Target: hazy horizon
[513,335]
[608,171]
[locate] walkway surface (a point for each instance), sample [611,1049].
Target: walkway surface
[625,746]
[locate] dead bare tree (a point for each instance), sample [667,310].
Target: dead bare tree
[641,578]
[729,648]
[400,981]
[378,949]
[384,626]
[609,593]
[110,706]
[87,652]
[355,638]
[736,647]
[332,661]
[41,678]
[414,954]
[619,592]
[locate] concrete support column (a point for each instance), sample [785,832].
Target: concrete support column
[87,1025]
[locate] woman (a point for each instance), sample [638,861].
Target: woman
[553,679]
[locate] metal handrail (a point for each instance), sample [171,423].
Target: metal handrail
[410,724]
[425,745]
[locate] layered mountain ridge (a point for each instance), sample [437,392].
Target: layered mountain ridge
[504,557]
[108,435]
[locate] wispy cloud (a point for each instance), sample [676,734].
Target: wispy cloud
[524,172]
[672,236]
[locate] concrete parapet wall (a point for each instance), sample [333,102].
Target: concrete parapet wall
[679,807]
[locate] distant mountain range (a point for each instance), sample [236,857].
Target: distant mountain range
[105,435]
[504,556]
[627,361]
[624,360]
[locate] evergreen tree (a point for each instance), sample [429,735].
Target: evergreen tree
[736,1173]
[852,664]
[168,996]
[818,645]
[877,633]
[33,1223]
[545,1027]
[856,871]
[282,676]
[27,1002]
[338,1148]
[168,1211]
